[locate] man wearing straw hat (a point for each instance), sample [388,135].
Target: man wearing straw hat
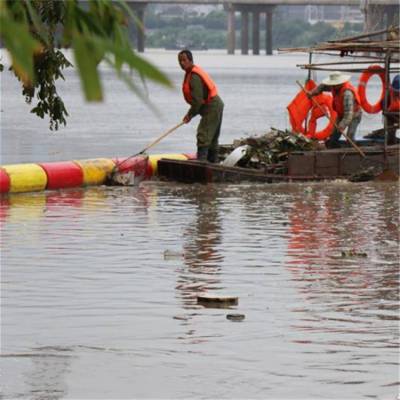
[346,103]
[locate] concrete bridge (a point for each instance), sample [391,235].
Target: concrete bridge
[375,11]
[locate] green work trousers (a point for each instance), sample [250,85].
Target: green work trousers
[210,124]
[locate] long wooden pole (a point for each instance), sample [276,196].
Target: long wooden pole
[117,166]
[363,36]
[336,126]
[162,137]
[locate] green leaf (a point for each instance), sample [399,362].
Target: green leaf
[131,85]
[134,61]
[37,23]
[21,46]
[84,51]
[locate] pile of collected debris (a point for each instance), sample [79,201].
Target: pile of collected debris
[269,150]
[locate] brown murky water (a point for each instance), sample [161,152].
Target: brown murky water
[99,285]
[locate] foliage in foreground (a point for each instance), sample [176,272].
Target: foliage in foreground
[33,31]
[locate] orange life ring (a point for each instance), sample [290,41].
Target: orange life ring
[325,101]
[301,108]
[362,92]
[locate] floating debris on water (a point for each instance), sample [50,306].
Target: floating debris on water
[180,317]
[364,175]
[171,254]
[353,253]
[214,301]
[235,317]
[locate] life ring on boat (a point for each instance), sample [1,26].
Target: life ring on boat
[301,109]
[325,101]
[362,91]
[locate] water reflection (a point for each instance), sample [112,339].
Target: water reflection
[344,260]
[202,260]
[96,279]
[43,372]
[47,378]
[202,237]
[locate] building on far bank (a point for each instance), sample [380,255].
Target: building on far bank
[336,15]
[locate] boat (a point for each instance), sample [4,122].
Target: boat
[320,165]
[366,159]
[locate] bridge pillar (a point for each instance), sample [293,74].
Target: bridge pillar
[256,32]
[231,30]
[245,10]
[245,32]
[138,29]
[268,33]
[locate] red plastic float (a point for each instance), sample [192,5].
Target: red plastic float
[64,174]
[4,181]
[139,165]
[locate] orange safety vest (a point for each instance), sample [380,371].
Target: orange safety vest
[205,78]
[394,104]
[338,98]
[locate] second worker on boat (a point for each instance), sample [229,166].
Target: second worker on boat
[201,93]
[346,103]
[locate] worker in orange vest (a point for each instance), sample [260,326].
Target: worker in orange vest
[346,103]
[393,115]
[200,91]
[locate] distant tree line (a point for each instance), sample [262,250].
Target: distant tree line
[210,31]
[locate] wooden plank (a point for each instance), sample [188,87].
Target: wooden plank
[301,164]
[327,163]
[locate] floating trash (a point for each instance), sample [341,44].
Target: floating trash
[235,317]
[214,301]
[180,317]
[353,253]
[172,255]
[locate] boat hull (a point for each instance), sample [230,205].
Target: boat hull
[300,167]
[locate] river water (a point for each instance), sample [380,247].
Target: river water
[99,285]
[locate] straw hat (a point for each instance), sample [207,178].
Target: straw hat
[336,78]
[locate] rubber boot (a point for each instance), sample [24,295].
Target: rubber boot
[212,155]
[202,153]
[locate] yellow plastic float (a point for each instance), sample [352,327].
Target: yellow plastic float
[153,160]
[96,170]
[26,177]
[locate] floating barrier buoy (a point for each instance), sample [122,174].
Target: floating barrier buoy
[4,181]
[26,177]
[95,171]
[64,174]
